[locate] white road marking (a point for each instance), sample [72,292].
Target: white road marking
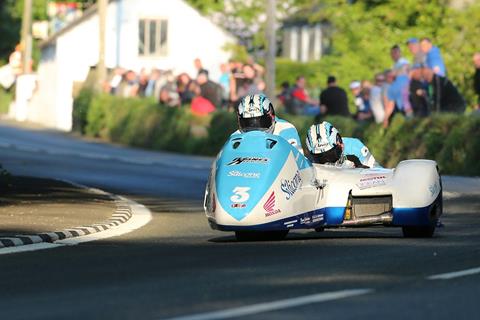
[456,274]
[140,217]
[275,305]
[29,247]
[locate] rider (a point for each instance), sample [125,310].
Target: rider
[326,146]
[255,112]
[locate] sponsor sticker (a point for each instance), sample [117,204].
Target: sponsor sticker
[371,181]
[240,160]
[269,206]
[238,205]
[289,187]
[248,175]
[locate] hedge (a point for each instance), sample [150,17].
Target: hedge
[6,97]
[450,139]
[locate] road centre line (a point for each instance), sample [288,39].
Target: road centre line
[455,274]
[275,305]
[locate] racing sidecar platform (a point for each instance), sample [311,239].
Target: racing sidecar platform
[260,184]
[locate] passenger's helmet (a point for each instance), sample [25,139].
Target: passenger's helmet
[323,143]
[255,112]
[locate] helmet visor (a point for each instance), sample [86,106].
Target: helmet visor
[330,156]
[263,123]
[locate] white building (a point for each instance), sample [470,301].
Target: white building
[165,34]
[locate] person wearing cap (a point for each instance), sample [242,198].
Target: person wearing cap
[333,100]
[362,104]
[414,46]
[433,57]
[325,145]
[256,113]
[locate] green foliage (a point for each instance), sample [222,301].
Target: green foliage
[363,33]
[9,29]
[80,109]
[6,97]
[450,139]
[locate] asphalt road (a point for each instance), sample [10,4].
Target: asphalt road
[176,266]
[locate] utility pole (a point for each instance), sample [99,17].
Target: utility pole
[102,18]
[26,42]
[271,48]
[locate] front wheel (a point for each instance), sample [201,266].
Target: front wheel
[260,235]
[418,232]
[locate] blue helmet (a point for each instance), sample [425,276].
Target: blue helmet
[324,143]
[255,112]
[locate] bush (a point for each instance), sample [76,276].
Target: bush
[450,139]
[6,97]
[80,110]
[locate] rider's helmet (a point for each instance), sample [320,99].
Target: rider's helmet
[323,142]
[255,112]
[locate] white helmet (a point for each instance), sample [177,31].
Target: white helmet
[255,112]
[323,143]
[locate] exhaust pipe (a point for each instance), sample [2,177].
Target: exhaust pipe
[383,218]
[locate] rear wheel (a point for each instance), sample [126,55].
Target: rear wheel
[260,235]
[418,232]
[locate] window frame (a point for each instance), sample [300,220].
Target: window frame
[159,50]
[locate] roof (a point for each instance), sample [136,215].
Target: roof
[86,14]
[93,10]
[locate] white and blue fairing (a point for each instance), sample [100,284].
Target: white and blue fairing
[259,181]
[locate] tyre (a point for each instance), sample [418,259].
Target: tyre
[418,232]
[260,235]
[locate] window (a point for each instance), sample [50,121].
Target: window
[152,37]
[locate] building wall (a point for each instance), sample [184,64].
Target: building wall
[69,58]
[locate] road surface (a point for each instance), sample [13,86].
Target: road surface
[176,266]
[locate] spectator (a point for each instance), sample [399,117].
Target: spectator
[183,88]
[396,55]
[199,66]
[142,82]
[285,95]
[200,105]
[433,57]
[224,82]
[114,83]
[445,96]
[302,103]
[128,87]
[418,93]
[398,94]
[250,83]
[376,98]
[209,89]
[168,93]
[362,106]
[476,62]
[154,85]
[333,100]
[414,47]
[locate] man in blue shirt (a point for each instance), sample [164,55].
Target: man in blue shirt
[433,57]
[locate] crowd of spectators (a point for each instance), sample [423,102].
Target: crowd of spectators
[199,91]
[414,88]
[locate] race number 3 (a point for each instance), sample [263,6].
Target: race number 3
[240,194]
